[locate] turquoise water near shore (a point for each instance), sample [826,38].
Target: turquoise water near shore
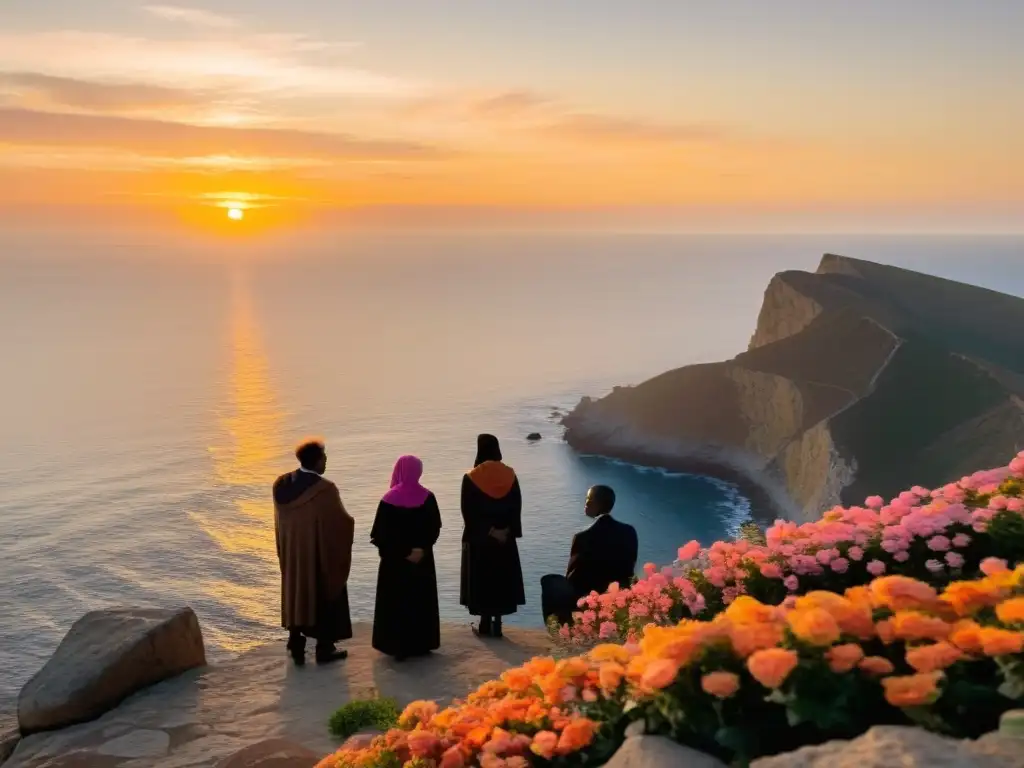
[149,402]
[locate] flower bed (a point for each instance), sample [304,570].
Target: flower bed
[755,679]
[932,535]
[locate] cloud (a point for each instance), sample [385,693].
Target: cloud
[605,128]
[243,62]
[192,16]
[169,139]
[97,96]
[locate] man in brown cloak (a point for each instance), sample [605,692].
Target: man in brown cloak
[314,546]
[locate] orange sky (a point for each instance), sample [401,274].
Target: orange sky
[182,111]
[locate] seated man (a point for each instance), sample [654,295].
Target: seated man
[605,552]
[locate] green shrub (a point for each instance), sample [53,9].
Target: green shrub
[364,714]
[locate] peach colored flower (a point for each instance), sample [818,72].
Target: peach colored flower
[876,665]
[659,674]
[1000,642]
[965,636]
[843,658]
[453,758]
[610,675]
[610,652]
[912,690]
[720,684]
[747,638]
[1011,611]
[544,744]
[929,658]
[814,625]
[517,680]
[771,666]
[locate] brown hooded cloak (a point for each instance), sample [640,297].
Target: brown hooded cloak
[314,546]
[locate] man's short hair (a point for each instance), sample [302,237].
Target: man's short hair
[310,452]
[604,497]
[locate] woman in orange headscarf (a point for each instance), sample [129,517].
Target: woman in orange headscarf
[492,576]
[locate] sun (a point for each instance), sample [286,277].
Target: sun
[236,214]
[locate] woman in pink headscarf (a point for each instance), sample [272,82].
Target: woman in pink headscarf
[408,522]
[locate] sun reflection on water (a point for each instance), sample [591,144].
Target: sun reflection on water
[246,460]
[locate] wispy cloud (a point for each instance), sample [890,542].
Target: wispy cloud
[192,16]
[95,96]
[169,139]
[606,128]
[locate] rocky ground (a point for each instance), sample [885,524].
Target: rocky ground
[208,714]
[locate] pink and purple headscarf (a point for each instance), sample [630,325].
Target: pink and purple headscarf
[406,490]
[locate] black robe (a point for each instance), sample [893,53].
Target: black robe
[405,614]
[492,576]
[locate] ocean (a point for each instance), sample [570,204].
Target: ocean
[149,398]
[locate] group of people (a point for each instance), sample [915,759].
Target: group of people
[315,535]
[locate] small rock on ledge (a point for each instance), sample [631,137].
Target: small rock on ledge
[533,437]
[659,752]
[105,657]
[889,746]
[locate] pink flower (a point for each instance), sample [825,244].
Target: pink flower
[608,629]
[938,543]
[771,571]
[901,557]
[874,502]
[840,565]
[855,553]
[650,569]
[689,550]
[1017,466]
[876,567]
[993,565]
[961,540]
[934,566]
[792,583]
[954,560]
[1015,505]
[997,502]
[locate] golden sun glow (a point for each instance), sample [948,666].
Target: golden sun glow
[236,214]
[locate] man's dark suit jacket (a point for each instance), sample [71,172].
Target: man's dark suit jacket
[603,553]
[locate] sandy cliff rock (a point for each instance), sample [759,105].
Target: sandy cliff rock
[859,379]
[106,656]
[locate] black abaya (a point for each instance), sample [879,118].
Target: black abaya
[405,615]
[492,576]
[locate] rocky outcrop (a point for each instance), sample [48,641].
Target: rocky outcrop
[105,657]
[891,746]
[207,715]
[859,379]
[272,753]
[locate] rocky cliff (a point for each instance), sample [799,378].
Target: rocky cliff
[860,378]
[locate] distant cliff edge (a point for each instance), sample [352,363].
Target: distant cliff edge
[859,379]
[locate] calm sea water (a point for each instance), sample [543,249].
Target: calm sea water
[148,399]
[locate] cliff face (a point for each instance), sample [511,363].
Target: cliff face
[859,379]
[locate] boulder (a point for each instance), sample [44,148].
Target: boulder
[659,752]
[533,437]
[271,753]
[106,656]
[8,742]
[889,746]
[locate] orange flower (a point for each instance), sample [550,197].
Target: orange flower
[610,652]
[610,676]
[772,666]
[876,665]
[539,666]
[1000,642]
[911,625]
[853,618]
[659,674]
[900,593]
[544,744]
[518,680]
[968,597]
[843,658]
[929,658]
[720,684]
[746,610]
[884,630]
[576,735]
[572,668]
[814,625]
[1011,611]
[423,743]
[964,636]
[747,638]
[417,712]
[453,758]
[912,690]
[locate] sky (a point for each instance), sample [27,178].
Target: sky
[740,115]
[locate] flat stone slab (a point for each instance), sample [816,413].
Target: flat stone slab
[106,656]
[659,752]
[272,753]
[210,714]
